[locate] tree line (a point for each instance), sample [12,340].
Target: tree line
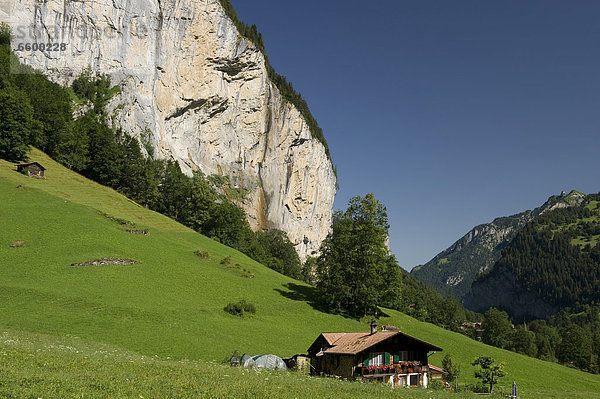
[556,257]
[571,337]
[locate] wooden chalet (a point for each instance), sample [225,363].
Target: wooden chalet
[32,169]
[391,357]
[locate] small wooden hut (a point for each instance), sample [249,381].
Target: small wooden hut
[32,169]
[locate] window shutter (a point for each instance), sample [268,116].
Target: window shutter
[366,361]
[387,358]
[396,358]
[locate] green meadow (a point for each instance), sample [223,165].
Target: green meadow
[33,365]
[161,321]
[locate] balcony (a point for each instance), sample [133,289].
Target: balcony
[386,370]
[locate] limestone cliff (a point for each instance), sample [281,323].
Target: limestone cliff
[196,91]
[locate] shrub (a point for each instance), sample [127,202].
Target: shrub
[436,385]
[5,33]
[226,260]
[240,308]
[202,254]
[479,388]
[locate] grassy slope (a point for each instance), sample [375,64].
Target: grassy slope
[34,365]
[171,304]
[593,240]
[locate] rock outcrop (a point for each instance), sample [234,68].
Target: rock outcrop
[194,90]
[501,289]
[453,270]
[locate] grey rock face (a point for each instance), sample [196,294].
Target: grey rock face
[453,270]
[501,290]
[197,92]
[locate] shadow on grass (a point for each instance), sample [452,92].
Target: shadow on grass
[310,295]
[303,293]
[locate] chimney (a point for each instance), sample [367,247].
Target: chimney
[373,326]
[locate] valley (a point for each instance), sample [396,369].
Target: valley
[170,306]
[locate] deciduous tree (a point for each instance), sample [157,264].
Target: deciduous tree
[575,347]
[16,124]
[496,328]
[355,270]
[488,371]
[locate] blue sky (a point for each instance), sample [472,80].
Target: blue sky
[451,112]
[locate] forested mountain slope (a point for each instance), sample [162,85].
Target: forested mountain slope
[453,270]
[552,263]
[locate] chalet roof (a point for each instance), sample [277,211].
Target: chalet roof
[332,337]
[436,369]
[31,163]
[353,343]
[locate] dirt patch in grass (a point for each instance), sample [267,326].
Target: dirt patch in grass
[138,232]
[226,260]
[107,262]
[122,222]
[240,271]
[17,244]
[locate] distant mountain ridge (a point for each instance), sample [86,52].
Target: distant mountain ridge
[553,263]
[453,270]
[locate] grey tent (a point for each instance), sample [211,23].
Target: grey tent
[270,362]
[237,360]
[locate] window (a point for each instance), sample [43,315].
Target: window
[376,359]
[414,379]
[403,356]
[335,362]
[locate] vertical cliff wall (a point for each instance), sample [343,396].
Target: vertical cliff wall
[199,93]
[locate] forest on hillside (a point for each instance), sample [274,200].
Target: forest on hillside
[556,255]
[570,337]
